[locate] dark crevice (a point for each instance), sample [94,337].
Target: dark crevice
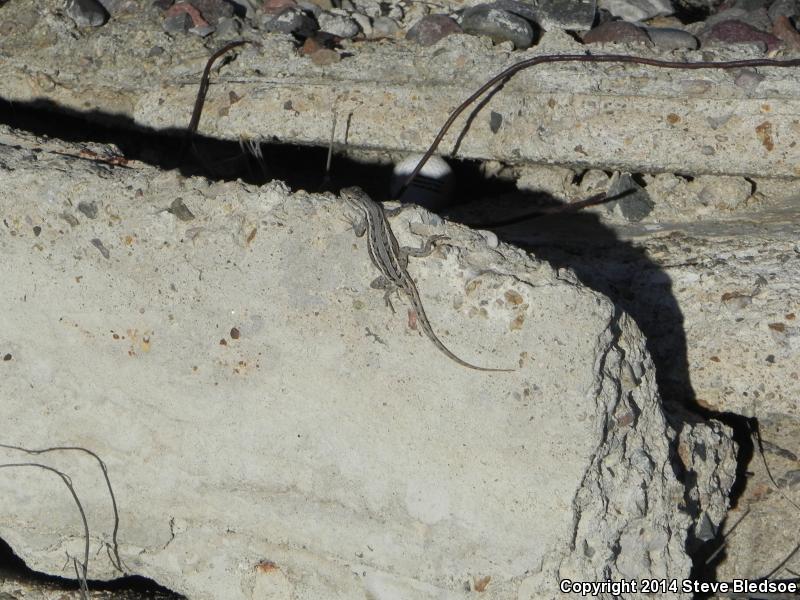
[13,567]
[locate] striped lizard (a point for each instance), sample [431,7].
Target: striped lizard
[392,260]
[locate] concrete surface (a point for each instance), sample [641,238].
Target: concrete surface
[272,430]
[395,95]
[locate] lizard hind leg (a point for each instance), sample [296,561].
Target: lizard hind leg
[382,283]
[426,249]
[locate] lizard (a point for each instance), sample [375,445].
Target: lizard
[392,261]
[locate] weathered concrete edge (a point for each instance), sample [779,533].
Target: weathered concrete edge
[686,123]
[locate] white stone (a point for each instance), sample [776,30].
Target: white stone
[637,10]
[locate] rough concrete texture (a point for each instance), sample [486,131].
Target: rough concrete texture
[268,427]
[711,274]
[638,119]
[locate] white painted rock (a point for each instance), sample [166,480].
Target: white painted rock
[271,430]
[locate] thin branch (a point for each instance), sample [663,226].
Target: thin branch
[84,571]
[116,561]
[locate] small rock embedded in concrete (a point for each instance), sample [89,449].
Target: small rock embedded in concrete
[291,20]
[432,28]
[748,79]
[637,10]
[737,32]
[784,31]
[617,32]
[635,205]
[88,208]
[498,24]
[180,210]
[384,27]
[97,243]
[672,39]
[178,23]
[87,13]
[495,121]
[339,25]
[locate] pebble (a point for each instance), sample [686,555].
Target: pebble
[737,32]
[338,25]
[372,8]
[672,39]
[87,13]
[432,28]
[229,27]
[637,10]
[363,21]
[274,7]
[748,79]
[620,32]
[636,205]
[757,18]
[213,10]
[783,8]
[784,31]
[384,27]
[308,6]
[187,9]
[499,25]
[290,20]
[177,23]
[563,14]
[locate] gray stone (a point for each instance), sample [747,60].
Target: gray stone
[338,25]
[432,28]
[310,7]
[178,23]
[617,32]
[364,23]
[87,13]
[213,10]
[636,204]
[497,24]
[552,14]
[669,38]
[783,8]
[384,27]
[291,20]
[228,27]
[637,10]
